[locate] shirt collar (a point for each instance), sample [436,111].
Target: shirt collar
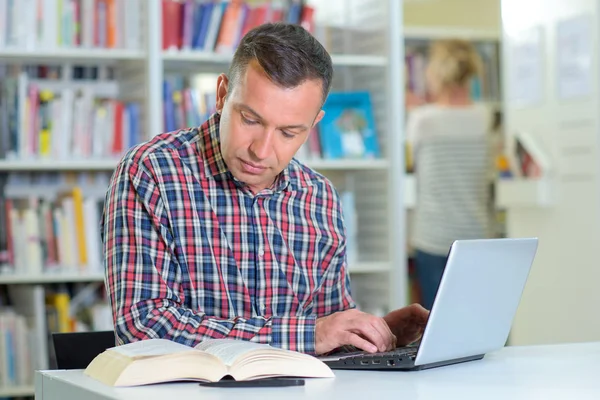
[215,163]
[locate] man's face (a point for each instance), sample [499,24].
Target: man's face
[263,125]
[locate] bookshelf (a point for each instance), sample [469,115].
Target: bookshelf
[362,62]
[531,182]
[525,193]
[487,43]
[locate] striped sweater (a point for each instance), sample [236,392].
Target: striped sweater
[451,155]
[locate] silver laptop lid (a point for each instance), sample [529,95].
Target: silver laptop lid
[477,298]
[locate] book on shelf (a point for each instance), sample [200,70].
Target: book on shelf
[161,360]
[52,24]
[186,103]
[17,350]
[525,158]
[75,308]
[56,229]
[41,116]
[347,129]
[220,25]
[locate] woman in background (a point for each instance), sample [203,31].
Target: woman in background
[449,140]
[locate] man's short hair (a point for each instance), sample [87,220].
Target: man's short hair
[287,53]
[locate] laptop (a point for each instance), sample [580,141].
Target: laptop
[75,350]
[472,312]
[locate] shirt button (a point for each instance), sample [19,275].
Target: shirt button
[261,252]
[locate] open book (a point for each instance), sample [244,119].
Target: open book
[160,360]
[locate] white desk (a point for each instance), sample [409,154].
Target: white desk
[535,372]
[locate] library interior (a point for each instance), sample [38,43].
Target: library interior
[446,120]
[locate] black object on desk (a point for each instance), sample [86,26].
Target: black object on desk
[257,383]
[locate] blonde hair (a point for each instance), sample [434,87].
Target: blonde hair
[452,62]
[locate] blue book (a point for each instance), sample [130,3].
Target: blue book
[10,346]
[168,107]
[134,123]
[202,14]
[347,129]
[205,15]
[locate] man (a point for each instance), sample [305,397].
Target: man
[217,231]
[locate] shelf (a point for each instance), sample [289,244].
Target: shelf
[17,391]
[108,164]
[51,277]
[519,193]
[61,55]
[189,56]
[50,191]
[337,165]
[428,33]
[368,267]
[358,60]
[493,104]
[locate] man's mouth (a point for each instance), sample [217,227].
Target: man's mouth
[252,168]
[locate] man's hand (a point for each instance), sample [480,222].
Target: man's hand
[407,323]
[353,327]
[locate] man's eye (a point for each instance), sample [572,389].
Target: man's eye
[248,121]
[287,135]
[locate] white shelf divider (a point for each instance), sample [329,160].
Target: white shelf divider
[350,60]
[348,164]
[106,164]
[197,56]
[354,60]
[368,267]
[17,391]
[520,193]
[71,54]
[110,163]
[51,277]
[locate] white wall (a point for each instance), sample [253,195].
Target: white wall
[462,14]
[561,299]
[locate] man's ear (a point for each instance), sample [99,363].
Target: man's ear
[319,117]
[222,86]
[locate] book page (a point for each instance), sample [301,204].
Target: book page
[150,347]
[228,350]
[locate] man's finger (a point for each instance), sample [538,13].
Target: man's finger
[364,327]
[383,327]
[357,341]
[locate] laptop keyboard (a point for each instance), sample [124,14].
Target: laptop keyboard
[401,352]
[353,352]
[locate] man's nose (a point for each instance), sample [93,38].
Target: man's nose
[262,145]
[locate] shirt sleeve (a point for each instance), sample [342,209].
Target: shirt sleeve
[143,278]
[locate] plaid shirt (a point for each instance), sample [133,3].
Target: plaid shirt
[191,253]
